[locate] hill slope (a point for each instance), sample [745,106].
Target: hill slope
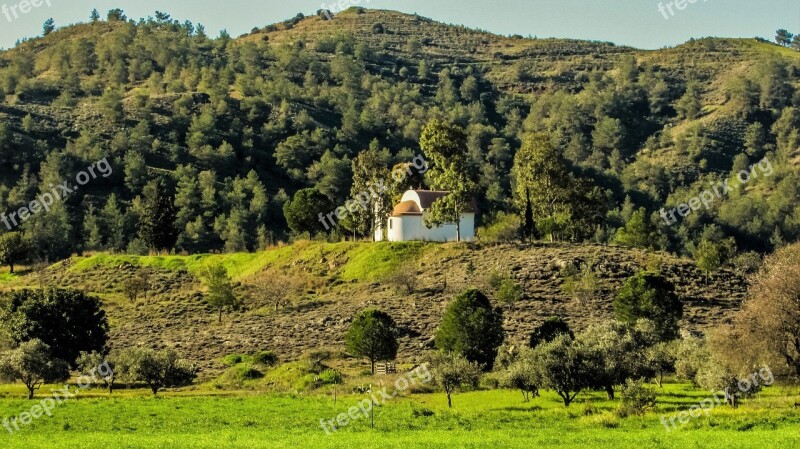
[347,277]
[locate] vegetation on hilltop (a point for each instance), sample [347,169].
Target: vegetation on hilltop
[222,132]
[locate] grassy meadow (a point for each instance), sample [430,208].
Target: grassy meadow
[202,418]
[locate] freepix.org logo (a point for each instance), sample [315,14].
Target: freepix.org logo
[13,11]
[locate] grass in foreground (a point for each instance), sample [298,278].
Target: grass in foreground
[479,419]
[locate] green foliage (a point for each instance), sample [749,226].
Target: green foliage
[49,26]
[509,293]
[648,295]
[505,228]
[452,371]
[636,398]
[32,364]
[549,330]
[266,358]
[96,365]
[158,369]
[157,223]
[690,105]
[220,294]
[548,196]
[370,170]
[158,96]
[639,232]
[13,249]
[372,335]
[67,321]
[302,212]
[471,327]
[445,146]
[522,375]
[562,365]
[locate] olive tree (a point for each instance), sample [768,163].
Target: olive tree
[32,364]
[158,369]
[12,248]
[563,366]
[452,371]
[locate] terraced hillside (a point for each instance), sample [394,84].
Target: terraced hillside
[346,277]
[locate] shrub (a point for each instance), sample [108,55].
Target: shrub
[636,398]
[505,228]
[330,377]
[747,263]
[267,358]
[232,359]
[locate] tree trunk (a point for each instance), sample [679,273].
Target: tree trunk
[220,316]
[449,401]
[11,267]
[30,392]
[373,366]
[528,215]
[610,392]
[458,228]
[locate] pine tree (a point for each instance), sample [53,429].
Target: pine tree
[91,230]
[157,224]
[113,219]
[49,26]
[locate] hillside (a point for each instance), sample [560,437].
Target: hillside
[229,129]
[347,277]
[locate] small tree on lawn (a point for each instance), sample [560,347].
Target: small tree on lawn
[220,293]
[471,327]
[32,365]
[561,366]
[92,364]
[452,371]
[521,375]
[159,369]
[372,335]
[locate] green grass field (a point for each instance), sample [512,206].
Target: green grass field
[499,419]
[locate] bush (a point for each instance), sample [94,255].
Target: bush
[330,377]
[267,358]
[636,398]
[232,359]
[747,263]
[505,228]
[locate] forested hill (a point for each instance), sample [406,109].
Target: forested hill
[226,130]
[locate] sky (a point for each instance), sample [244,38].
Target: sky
[637,23]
